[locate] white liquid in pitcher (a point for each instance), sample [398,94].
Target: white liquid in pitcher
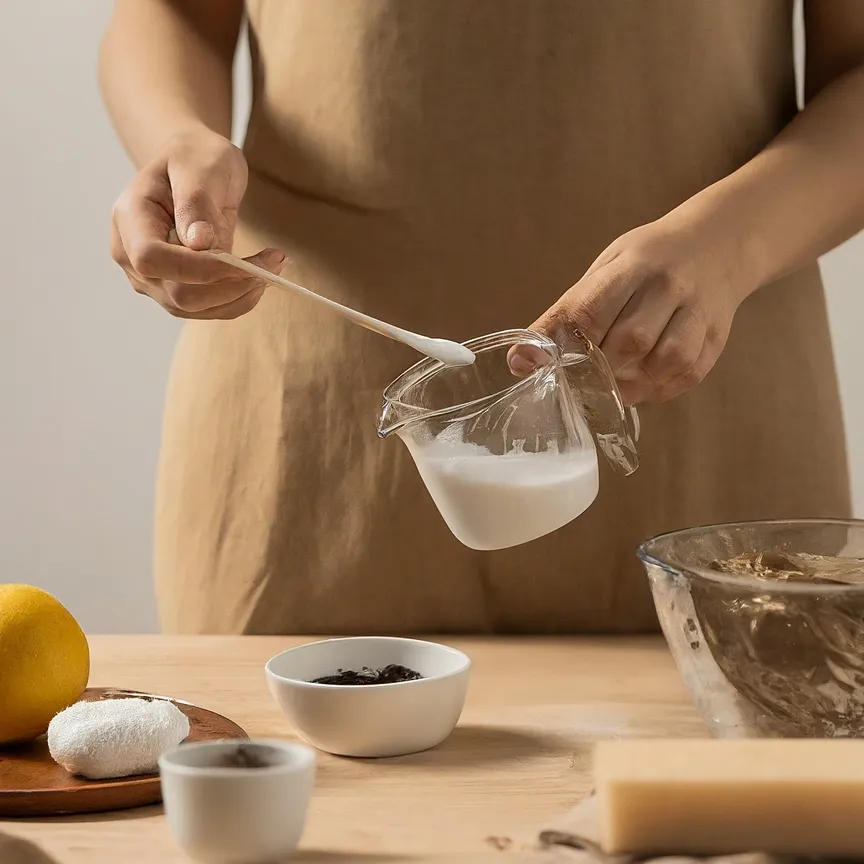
[494,502]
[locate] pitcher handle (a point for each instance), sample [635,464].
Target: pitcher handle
[616,427]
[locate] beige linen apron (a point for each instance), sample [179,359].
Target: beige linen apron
[453,166]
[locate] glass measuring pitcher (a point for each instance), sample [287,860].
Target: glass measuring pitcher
[509,460]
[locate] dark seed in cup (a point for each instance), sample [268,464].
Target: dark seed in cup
[392,674]
[242,757]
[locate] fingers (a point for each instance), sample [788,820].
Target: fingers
[637,330]
[689,376]
[227,297]
[233,309]
[227,311]
[687,380]
[590,307]
[678,347]
[193,298]
[682,357]
[660,313]
[143,225]
[196,188]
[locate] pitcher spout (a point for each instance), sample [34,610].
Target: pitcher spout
[388,419]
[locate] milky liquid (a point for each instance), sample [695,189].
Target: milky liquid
[494,502]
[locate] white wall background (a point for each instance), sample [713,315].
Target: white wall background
[83,359]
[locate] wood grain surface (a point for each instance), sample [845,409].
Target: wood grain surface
[33,784]
[520,757]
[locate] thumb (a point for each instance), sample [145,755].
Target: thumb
[568,323]
[586,311]
[198,219]
[525,359]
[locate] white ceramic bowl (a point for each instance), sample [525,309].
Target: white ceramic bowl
[233,815]
[371,720]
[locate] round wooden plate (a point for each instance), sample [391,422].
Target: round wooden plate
[33,784]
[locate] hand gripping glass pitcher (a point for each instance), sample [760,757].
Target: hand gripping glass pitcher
[507,460]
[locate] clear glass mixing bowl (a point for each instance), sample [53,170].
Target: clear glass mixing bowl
[763,658]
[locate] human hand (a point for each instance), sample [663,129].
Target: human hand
[659,302]
[196,185]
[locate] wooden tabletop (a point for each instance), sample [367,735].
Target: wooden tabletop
[519,757]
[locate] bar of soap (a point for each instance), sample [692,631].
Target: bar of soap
[714,797]
[115,737]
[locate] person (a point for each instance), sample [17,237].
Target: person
[453,166]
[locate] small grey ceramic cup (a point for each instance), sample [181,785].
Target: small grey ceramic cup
[229,802]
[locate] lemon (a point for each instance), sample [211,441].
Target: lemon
[44,661]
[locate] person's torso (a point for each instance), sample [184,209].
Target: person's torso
[550,126]
[453,166]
